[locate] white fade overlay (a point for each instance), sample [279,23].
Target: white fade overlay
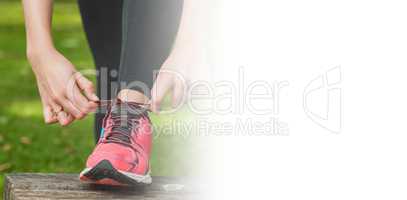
[332,77]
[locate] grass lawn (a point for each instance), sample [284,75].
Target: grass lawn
[26,143]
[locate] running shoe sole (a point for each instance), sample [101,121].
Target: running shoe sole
[105,174]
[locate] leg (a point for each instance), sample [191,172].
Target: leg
[102,23]
[123,156]
[149,30]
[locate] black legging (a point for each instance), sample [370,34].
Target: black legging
[129,40]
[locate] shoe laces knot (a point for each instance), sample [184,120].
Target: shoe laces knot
[125,117]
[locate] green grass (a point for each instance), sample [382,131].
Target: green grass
[26,143]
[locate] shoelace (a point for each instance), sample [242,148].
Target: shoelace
[123,125]
[109,103]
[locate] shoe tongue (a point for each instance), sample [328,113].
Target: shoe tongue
[126,113]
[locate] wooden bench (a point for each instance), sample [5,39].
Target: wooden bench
[67,186]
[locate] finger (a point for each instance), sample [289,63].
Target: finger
[80,101]
[178,93]
[87,87]
[64,118]
[69,108]
[161,86]
[49,116]
[56,110]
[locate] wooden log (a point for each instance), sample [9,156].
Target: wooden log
[67,186]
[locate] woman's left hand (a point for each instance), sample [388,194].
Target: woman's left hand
[171,78]
[188,58]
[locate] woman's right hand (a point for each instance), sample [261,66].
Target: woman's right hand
[65,93]
[48,107]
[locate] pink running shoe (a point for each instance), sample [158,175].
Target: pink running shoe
[122,154]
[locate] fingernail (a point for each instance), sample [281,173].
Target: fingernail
[65,123]
[63,114]
[95,98]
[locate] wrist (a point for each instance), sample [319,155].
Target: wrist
[35,52]
[39,43]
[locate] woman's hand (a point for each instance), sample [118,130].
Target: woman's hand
[61,87]
[169,78]
[181,67]
[49,107]
[187,61]
[65,93]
